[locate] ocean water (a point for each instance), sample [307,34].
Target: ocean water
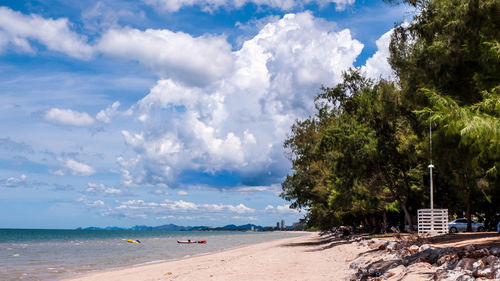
[38,254]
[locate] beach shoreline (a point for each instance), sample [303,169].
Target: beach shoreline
[307,257]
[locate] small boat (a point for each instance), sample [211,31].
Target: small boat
[192,242]
[134,241]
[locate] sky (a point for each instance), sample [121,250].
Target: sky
[123,113]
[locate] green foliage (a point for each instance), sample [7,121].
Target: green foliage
[365,151]
[357,156]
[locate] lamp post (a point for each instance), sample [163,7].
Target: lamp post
[430,165]
[430,169]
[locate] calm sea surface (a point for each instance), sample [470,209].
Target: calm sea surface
[38,254]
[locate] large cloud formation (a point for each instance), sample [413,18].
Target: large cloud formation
[213,109]
[238,122]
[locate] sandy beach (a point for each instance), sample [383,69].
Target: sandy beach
[309,257]
[316,257]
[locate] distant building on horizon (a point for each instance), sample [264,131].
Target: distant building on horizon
[282,224]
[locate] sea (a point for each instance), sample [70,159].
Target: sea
[50,254]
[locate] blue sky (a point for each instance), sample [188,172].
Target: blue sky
[167,111]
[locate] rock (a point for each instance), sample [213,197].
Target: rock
[397,272]
[440,274]
[479,253]
[427,256]
[378,245]
[465,277]
[413,249]
[470,248]
[392,246]
[487,272]
[424,247]
[465,264]
[364,242]
[374,272]
[451,264]
[357,263]
[452,276]
[495,251]
[403,253]
[447,257]
[477,264]
[491,259]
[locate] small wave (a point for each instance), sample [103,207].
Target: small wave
[15,255]
[150,262]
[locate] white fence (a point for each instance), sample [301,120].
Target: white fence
[433,221]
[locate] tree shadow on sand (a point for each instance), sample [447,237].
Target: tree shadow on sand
[485,239]
[326,243]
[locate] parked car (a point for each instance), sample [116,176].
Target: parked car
[460,224]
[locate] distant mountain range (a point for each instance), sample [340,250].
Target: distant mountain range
[173,227]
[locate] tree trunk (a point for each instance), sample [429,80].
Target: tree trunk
[407,216]
[384,222]
[468,213]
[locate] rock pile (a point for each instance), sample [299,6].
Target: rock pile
[396,259]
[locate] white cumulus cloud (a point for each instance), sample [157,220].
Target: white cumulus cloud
[105,115]
[377,65]
[182,193]
[141,208]
[239,121]
[102,189]
[18,30]
[69,117]
[193,60]
[74,167]
[13,181]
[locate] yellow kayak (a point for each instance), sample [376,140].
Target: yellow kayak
[134,241]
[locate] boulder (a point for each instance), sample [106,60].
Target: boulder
[447,257]
[392,246]
[357,263]
[465,264]
[465,277]
[495,251]
[380,245]
[413,249]
[470,248]
[396,273]
[478,264]
[424,247]
[429,256]
[491,259]
[403,253]
[452,275]
[486,272]
[478,253]
[496,266]
[364,242]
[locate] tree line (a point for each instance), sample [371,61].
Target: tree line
[362,158]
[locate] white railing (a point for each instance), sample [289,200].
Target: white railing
[433,221]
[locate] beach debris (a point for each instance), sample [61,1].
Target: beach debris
[393,260]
